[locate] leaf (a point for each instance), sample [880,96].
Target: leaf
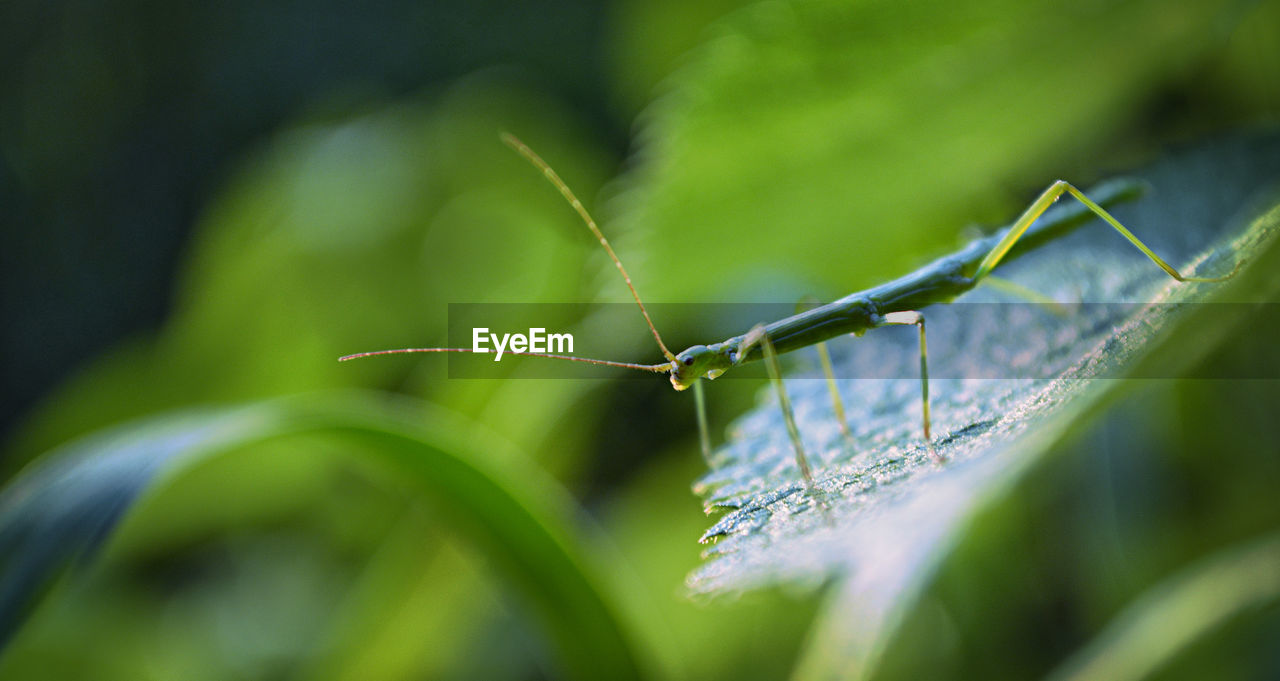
[1177,612]
[873,126]
[65,507]
[886,512]
[327,241]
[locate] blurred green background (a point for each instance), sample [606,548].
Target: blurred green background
[205,205]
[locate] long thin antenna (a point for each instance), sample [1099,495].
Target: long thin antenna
[655,368]
[551,175]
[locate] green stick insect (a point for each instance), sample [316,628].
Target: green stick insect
[896,303]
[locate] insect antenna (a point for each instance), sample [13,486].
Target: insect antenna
[522,149]
[655,368]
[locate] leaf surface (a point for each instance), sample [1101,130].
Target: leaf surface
[885,511]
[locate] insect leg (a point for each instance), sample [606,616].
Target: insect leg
[704,435]
[759,335]
[913,318]
[837,404]
[1030,295]
[824,358]
[1043,202]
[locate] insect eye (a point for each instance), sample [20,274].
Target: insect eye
[688,361]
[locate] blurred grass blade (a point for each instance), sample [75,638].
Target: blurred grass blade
[1176,613]
[66,505]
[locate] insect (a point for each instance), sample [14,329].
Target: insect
[895,303]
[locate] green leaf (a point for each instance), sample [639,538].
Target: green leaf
[885,512]
[63,508]
[328,241]
[1176,613]
[874,126]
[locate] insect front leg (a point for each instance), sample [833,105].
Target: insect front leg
[913,318]
[758,335]
[824,359]
[704,433]
[837,404]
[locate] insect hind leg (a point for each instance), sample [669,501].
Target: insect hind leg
[1042,203]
